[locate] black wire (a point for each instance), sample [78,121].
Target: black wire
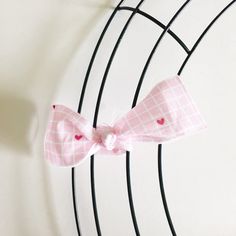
[74,201]
[95,53]
[135,10]
[73,170]
[160,174]
[154,20]
[129,189]
[97,111]
[153,51]
[134,104]
[162,189]
[203,34]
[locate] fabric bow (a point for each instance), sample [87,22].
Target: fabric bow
[166,113]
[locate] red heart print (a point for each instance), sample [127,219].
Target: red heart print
[78,137]
[161,121]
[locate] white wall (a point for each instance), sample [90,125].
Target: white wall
[45,50]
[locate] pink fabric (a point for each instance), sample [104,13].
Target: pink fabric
[166,113]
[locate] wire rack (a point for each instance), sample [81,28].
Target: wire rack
[189,52]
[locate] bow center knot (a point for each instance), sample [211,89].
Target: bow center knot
[107,137]
[108,140]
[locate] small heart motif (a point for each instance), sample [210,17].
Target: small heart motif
[53,106]
[161,121]
[78,137]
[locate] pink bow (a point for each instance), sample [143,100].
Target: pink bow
[166,113]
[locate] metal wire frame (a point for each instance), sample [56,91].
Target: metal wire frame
[97,111]
[160,174]
[135,10]
[154,20]
[140,82]
[73,170]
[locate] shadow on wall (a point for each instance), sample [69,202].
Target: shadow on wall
[30,74]
[16,120]
[39,72]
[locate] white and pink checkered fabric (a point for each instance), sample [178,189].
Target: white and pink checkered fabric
[166,113]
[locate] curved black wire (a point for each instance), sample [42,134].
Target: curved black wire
[134,104]
[154,20]
[203,34]
[97,111]
[73,170]
[162,189]
[74,201]
[160,174]
[89,69]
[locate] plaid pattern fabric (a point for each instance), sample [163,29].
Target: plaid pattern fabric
[168,112]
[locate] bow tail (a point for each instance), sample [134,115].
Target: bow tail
[68,154]
[166,113]
[68,140]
